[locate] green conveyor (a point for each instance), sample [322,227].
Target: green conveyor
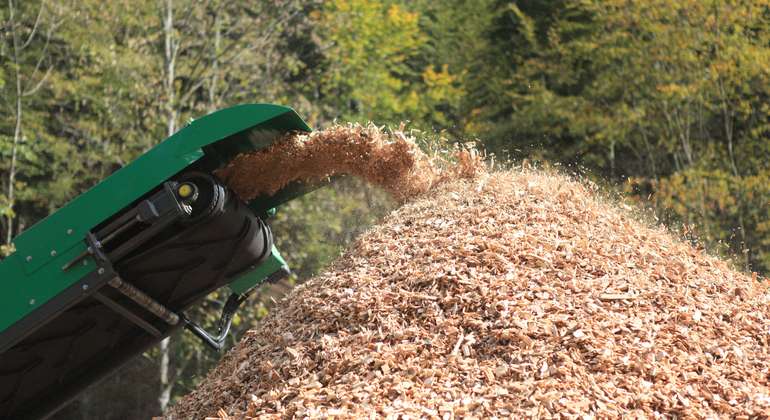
[112,272]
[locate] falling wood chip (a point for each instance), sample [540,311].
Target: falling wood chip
[505,334]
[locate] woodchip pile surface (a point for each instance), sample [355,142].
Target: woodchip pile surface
[514,294]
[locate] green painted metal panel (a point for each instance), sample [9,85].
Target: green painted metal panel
[23,294]
[34,272]
[260,273]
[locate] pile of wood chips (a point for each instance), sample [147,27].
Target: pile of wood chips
[512,294]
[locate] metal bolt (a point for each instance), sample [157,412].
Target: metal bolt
[53,252]
[29,258]
[32,301]
[69,231]
[100,271]
[85,287]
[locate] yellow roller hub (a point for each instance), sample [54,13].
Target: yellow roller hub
[185,190]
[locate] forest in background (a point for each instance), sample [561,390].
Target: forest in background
[666,102]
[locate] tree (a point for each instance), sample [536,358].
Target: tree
[668,95]
[26,50]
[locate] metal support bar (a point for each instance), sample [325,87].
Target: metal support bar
[122,228]
[144,300]
[115,306]
[137,241]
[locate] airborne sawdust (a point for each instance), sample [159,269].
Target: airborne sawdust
[511,294]
[390,160]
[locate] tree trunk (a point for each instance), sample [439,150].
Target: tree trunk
[165,383]
[214,80]
[612,158]
[171,46]
[11,191]
[169,58]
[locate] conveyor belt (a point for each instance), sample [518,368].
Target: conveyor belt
[177,267]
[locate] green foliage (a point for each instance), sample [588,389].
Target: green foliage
[382,66]
[672,95]
[371,42]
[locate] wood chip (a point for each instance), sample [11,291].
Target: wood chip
[616,296]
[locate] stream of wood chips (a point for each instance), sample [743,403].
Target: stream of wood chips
[510,294]
[389,159]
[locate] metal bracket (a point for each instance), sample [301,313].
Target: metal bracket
[225,321]
[115,306]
